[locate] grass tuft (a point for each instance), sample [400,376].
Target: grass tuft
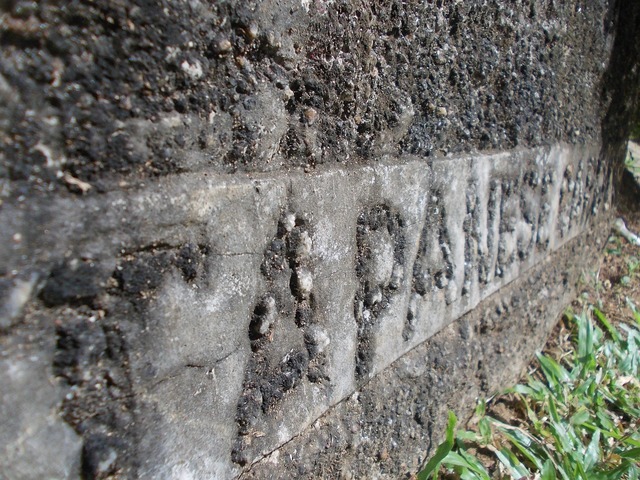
[576,417]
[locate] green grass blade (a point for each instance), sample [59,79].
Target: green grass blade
[607,325]
[463,460]
[512,464]
[581,416]
[523,390]
[555,373]
[442,451]
[522,442]
[548,472]
[485,429]
[593,453]
[577,414]
[586,347]
[454,459]
[633,454]
[476,467]
[553,410]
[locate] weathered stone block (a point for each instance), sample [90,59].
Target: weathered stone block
[282,237]
[268,301]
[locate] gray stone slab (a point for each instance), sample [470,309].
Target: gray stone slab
[246,308]
[34,441]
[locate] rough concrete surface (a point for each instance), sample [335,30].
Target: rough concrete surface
[268,300]
[282,238]
[144,88]
[387,428]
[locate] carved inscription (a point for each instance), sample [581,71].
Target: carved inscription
[581,195]
[524,215]
[287,341]
[433,267]
[488,256]
[496,221]
[510,226]
[506,219]
[543,234]
[475,250]
[380,270]
[487,262]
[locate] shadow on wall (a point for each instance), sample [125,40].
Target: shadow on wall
[622,93]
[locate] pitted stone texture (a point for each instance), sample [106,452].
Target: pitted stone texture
[203,307]
[161,247]
[390,427]
[257,85]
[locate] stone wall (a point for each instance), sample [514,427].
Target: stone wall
[281,239]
